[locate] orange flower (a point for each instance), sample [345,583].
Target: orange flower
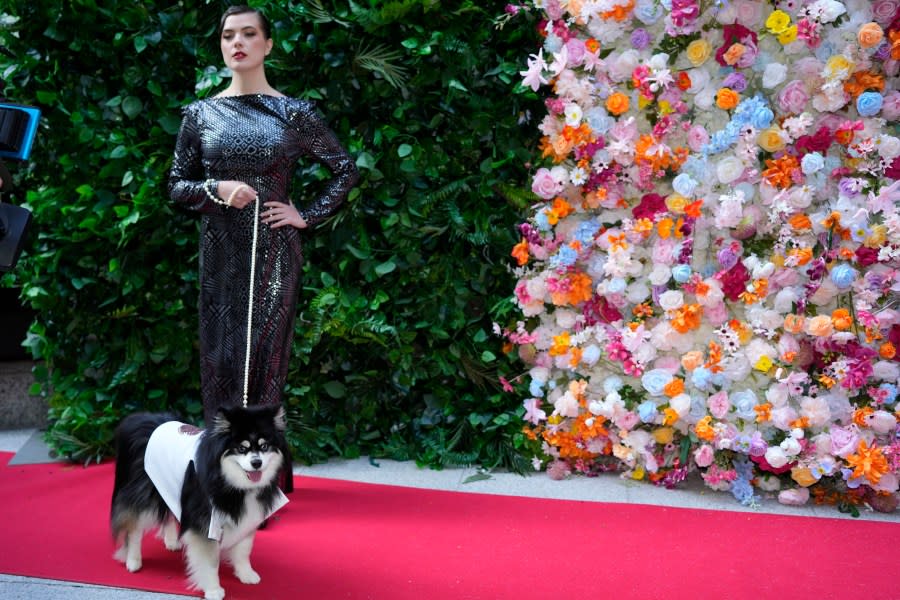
[642,310]
[801,255]
[560,344]
[620,12]
[861,415]
[687,318]
[801,423]
[727,98]
[887,351]
[575,356]
[520,252]
[683,81]
[577,288]
[704,430]
[674,387]
[841,319]
[799,222]
[763,412]
[781,170]
[734,54]
[592,45]
[693,209]
[670,416]
[870,35]
[715,357]
[692,360]
[868,462]
[617,103]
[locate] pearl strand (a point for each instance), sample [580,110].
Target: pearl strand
[207,187]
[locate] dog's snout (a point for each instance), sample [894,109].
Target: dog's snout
[256,462]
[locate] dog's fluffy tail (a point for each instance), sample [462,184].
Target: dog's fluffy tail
[133,493]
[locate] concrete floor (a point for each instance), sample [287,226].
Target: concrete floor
[30,448]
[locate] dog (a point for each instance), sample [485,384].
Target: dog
[206,491]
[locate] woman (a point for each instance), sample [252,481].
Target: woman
[241,143]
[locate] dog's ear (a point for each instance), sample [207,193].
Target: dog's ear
[222,422]
[280,419]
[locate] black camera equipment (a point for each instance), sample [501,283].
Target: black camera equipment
[18,126]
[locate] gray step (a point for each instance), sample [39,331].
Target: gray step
[18,409]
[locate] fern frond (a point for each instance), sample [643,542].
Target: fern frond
[385,62]
[317,13]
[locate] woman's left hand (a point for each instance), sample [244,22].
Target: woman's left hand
[279,214]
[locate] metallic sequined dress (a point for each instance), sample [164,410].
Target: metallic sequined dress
[257,139]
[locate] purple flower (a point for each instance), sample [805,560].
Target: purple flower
[640,39]
[735,81]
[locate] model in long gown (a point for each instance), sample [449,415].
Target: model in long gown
[256,139]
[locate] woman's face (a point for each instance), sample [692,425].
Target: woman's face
[244,46]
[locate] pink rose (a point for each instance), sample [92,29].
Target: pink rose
[544,185]
[628,420]
[697,137]
[704,455]
[575,50]
[843,441]
[718,404]
[716,314]
[890,109]
[793,97]
[883,11]
[783,278]
[794,497]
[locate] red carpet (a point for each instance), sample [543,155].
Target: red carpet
[349,540]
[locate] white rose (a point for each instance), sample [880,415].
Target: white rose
[681,404]
[560,175]
[659,275]
[785,299]
[705,98]
[777,396]
[671,299]
[566,319]
[573,114]
[776,457]
[637,292]
[791,446]
[774,74]
[783,417]
[888,147]
[621,67]
[758,348]
[699,80]
[886,371]
[729,169]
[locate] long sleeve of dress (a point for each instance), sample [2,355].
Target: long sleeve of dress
[321,144]
[186,177]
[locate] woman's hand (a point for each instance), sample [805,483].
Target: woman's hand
[279,214]
[239,193]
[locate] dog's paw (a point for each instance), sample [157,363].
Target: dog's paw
[173,545]
[133,565]
[247,575]
[214,594]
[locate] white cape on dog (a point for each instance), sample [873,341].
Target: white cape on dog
[171,448]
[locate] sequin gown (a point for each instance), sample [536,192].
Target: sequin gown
[257,139]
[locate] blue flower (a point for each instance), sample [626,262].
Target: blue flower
[681,273]
[536,388]
[701,377]
[541,222]
[868,104]
[684,184]
[655,380]
[647,411]
[612,384]
[891,392]
[565,257]
[743,402]
[812,163]
[762,117]
[843,276]
[616,285]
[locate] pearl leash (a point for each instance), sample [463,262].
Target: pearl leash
[250,302]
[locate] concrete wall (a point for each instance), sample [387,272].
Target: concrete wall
[18,410]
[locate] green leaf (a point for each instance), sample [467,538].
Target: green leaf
[404,150]
[385,267]
[335,389]
[132,106]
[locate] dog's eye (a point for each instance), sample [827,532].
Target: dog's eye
[242,449]
[264,447]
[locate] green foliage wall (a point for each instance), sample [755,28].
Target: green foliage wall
[394,354]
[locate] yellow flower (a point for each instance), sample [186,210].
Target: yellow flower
[770,139]
[638,473]
[803,476]
[676,203]
[778,21]
[698,52]
[663,435]
[838,65]
[763,364]
[788,35]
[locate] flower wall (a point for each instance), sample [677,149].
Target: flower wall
[709,281]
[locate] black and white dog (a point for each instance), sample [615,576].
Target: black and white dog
[219,484]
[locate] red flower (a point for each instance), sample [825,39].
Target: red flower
[734,281]
[817,142]
[866,256]
[734,33]
[649,206]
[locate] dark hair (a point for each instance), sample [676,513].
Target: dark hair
[240,9]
